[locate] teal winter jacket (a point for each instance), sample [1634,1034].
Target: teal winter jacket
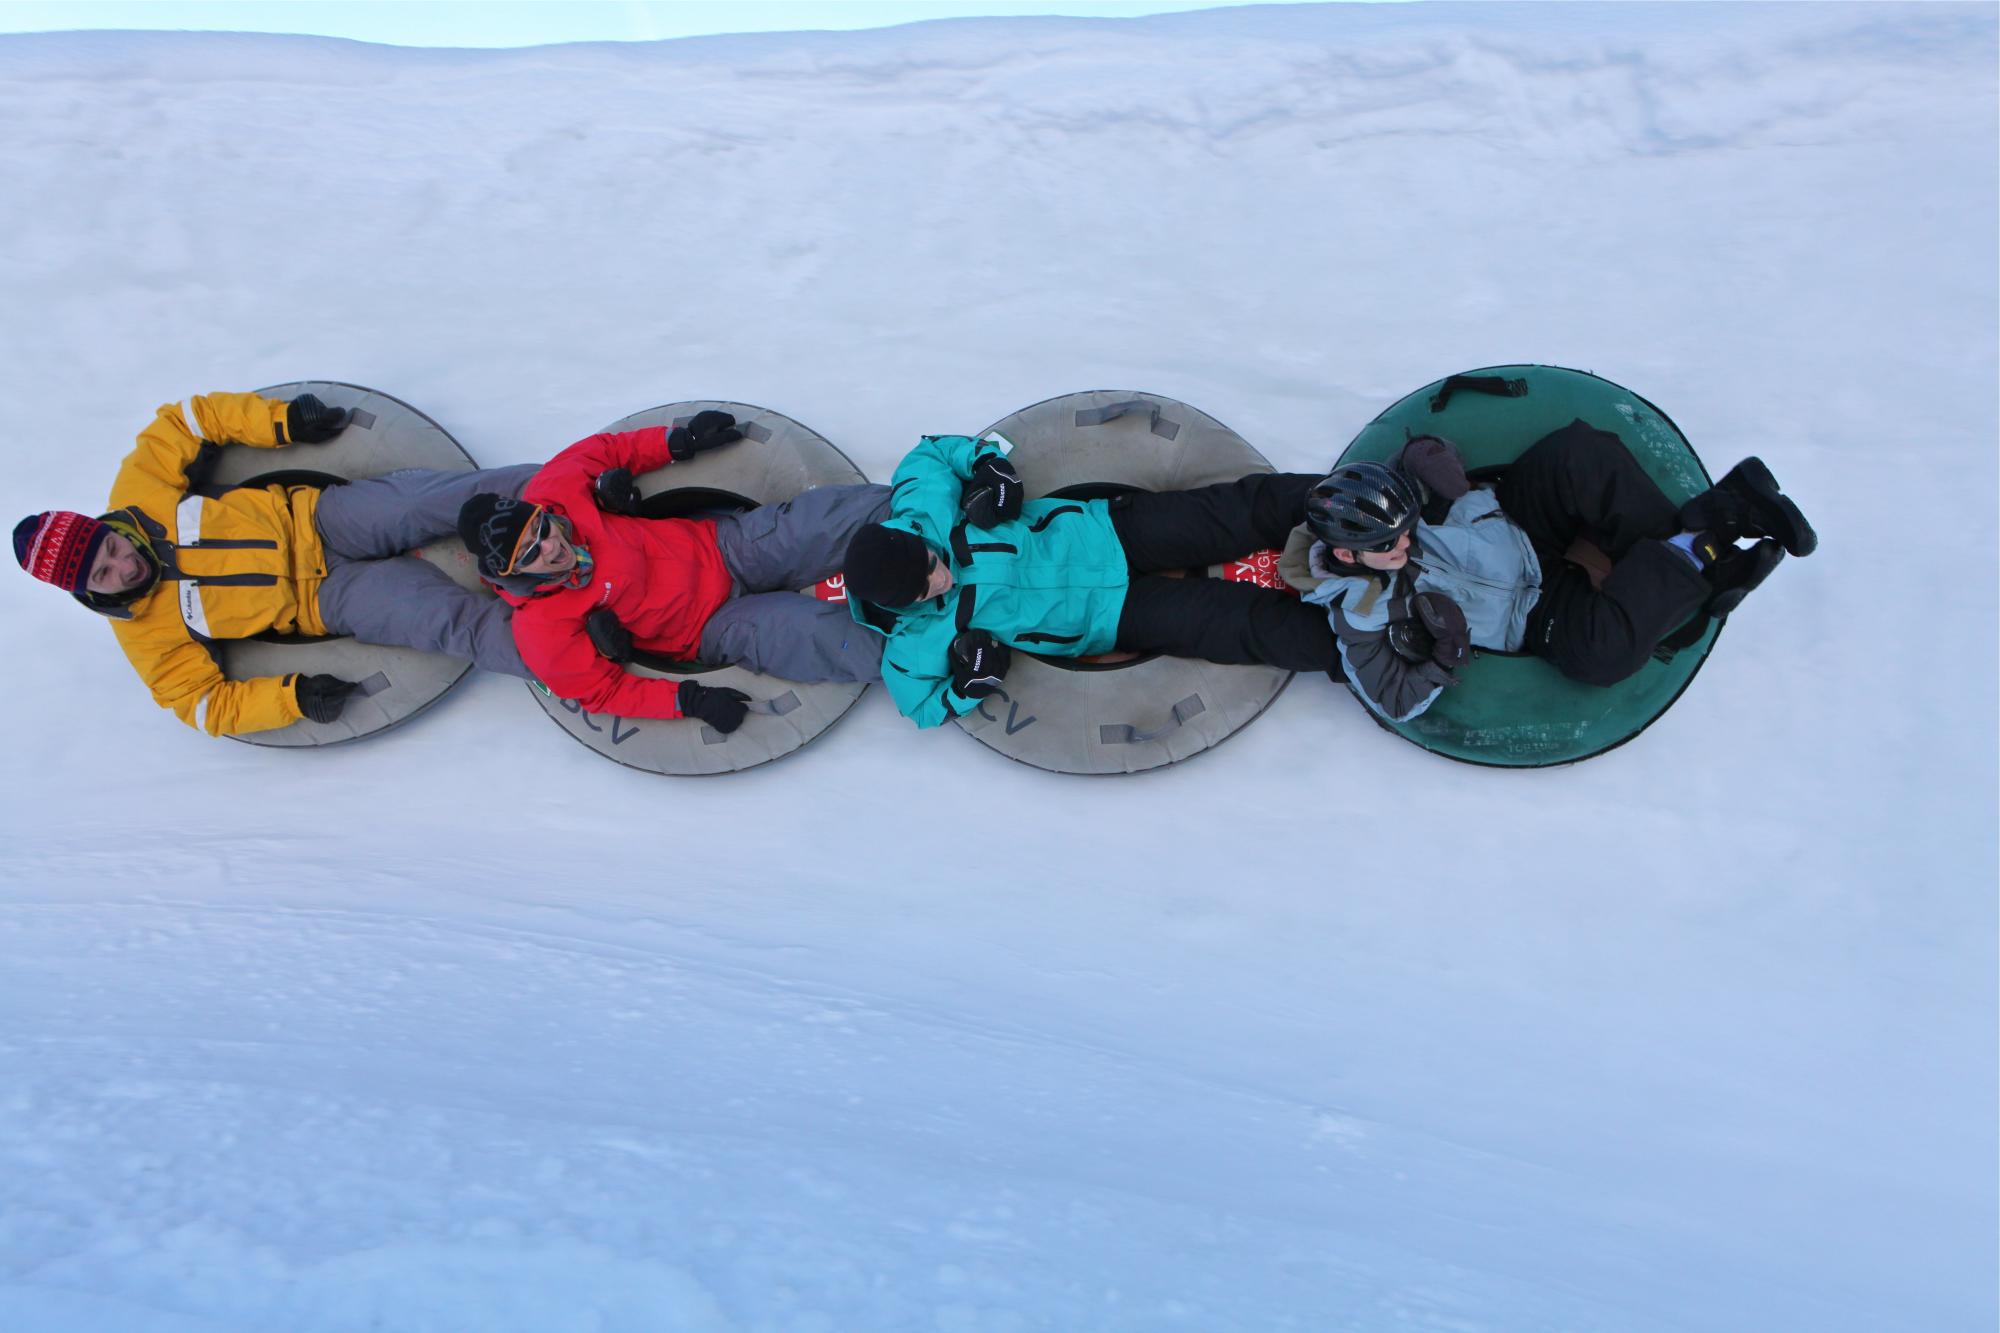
[1051,581]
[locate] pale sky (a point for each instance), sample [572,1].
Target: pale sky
[537,22]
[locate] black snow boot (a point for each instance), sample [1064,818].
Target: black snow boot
[1732,572]
[1738,572]
[1748,503]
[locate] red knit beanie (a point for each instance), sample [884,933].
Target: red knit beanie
[58,546]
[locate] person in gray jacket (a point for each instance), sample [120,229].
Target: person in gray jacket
[1575,556]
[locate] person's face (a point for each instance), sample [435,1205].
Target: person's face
[1387,561]
[117,567]
[553,553]
[938,582]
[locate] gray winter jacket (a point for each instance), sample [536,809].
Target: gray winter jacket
[1477,557]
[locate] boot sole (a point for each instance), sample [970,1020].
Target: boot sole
[1754,475]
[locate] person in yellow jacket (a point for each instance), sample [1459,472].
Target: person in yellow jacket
[178,564]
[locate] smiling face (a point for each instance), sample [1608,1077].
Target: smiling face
[117,567]
[552,552]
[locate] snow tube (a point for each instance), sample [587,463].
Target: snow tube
[1123,712]
[398,683]
[777,459]
[1513,710]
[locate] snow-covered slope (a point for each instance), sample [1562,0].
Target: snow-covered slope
[466,1028]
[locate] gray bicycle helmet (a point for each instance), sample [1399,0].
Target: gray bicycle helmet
[1361,506]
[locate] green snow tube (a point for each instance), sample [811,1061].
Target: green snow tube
[1513,710]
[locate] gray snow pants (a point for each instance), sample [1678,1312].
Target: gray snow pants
[771,552]
[378,594]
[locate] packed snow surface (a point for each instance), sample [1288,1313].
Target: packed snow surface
[467,1028]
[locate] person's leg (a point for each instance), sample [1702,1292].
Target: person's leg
[797,542]
[389,515]
[408,603]
[1599,636]
[1230,623]
[1580,481]
[792,637]
[1191,529]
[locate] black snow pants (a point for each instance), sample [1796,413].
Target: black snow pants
[1231,623]
[1583,482]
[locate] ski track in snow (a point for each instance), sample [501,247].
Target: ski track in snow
[466,1028]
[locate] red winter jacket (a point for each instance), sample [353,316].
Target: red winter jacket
[663,576]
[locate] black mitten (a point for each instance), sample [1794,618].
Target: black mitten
[309,421]
[1451,638]
[1411,640]
[718,705]
[979,663]
[705,430]
[1437,464]
[322,697]
[607,635]
[615,493]
[994,494]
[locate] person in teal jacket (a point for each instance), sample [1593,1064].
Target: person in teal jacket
[965,569]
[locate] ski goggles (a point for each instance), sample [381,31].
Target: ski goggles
[1383,548]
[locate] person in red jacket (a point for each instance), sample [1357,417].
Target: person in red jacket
[592,581]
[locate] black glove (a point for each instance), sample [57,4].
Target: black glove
[309,421]
[994,494]
[609,637]
[615,493]
[1435,463]
[718,705]
[979,663]
[705,431]
[322,697]
[1451,638]
[1412,642]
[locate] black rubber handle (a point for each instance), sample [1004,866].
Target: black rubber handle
[1494,384]
[1124,733]
[1097,416]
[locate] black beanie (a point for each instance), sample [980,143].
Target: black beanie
[491,527]
[887,566]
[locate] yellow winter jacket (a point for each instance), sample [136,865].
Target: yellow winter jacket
[233,563]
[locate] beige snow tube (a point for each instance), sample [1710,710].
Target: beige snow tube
[777,459]
[397,683]
[1122,713]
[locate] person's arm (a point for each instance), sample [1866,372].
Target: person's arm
[569,480]
[169,446]
[184,677]
[557,648]
[929,483]
[636,451]
[927,700]
[916,666]
[1389,683]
